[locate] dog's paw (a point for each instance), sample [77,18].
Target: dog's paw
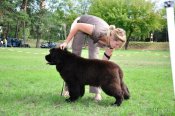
[126,97]
[115,105]
[118,102]
[68,100]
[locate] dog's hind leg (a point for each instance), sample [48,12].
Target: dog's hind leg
[118,95]
[115,91]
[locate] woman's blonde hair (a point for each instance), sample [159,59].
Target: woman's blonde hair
[118,33]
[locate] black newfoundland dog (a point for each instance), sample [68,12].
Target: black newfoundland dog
[78,72]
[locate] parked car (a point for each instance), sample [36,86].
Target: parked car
[14,42]
[48,45]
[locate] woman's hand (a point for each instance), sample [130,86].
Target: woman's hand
[63,45]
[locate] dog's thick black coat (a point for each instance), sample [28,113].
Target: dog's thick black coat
[78,72]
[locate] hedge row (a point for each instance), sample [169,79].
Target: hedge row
[149,45]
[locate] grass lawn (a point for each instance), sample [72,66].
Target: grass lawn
[30,87]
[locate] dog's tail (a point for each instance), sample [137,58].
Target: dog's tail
[125,89]
[126,93]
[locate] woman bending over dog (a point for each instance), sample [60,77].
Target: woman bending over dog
[99,34]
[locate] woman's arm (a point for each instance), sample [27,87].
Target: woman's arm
[107,54]
[83,27]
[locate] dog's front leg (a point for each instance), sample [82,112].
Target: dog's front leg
[82,90]
[74,92]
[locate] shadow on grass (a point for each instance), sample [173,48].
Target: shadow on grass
[48,99]
[87,101]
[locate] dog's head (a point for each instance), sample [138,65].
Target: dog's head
[55,56]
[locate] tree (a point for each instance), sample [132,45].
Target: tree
[137,17]
[24,9]
[7,12]
[64,12]
[39,27]
[11,17]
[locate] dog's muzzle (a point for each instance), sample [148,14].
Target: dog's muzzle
[48,59]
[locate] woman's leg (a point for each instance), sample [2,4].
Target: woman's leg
[78,43]
[93,54]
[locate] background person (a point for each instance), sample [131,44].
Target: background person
[99,34]
[5,42]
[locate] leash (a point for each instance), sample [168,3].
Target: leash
[62,88]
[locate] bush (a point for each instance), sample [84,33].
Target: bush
[149,45]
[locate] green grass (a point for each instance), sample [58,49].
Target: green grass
[28,86]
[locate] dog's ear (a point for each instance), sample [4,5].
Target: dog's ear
[51,50]
[60,51]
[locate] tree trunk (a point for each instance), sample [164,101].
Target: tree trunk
[24,5]
[17,29]
[8,30]
[65,34]
[42,4]
[24,32]
[37,40]
[39,33]
[127,43]
[128,39]
[24,8]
